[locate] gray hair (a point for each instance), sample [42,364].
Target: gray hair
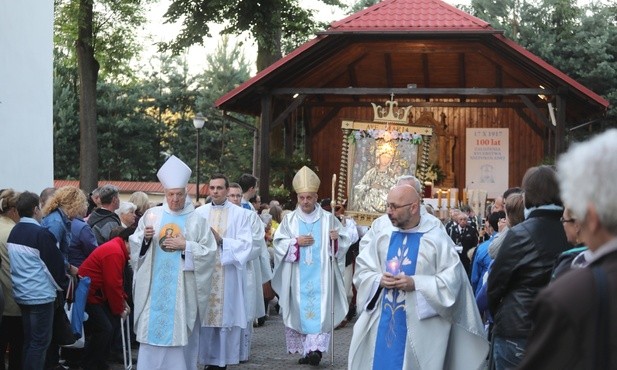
[587,174]
[266,218]
[410,180]
[107,193]
[125,207]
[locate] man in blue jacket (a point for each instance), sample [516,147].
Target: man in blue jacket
[37,272]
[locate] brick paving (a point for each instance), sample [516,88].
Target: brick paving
[268,350]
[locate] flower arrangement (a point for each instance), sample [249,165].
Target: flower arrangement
[434,174]
[386,135]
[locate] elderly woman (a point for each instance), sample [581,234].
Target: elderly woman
[570,258]
[142,202]
[126,212]
[523,265]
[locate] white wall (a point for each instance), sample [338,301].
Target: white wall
[26,131]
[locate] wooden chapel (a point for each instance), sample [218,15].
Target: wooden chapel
[453,70]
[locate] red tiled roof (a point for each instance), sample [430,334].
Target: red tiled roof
[271,68]
[410,15]
[131,186]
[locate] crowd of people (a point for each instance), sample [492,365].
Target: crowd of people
[527,287]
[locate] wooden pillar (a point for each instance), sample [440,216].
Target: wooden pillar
[264,147]
[560,134]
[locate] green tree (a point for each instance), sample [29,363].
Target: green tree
[268,21]
[580,41]
[361,4]
[129,140]
[66,120]
[227,146]
[101,39]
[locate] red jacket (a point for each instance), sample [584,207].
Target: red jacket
[105,267]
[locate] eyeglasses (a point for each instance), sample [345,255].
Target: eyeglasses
[394,207]
[234,196]
[566,220]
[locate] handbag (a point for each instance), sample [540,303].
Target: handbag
[81,339]
[75,311]
[62,333]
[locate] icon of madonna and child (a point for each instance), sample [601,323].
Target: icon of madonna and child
[377,164]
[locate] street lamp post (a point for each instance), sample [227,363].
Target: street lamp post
[198,121]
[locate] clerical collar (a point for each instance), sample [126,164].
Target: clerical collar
[309,217]
[220,205]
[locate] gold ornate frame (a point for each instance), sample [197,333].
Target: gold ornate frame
[346,182]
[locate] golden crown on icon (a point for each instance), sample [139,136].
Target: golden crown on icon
[392,113]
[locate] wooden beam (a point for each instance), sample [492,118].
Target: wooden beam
[238,121]
[411,92]
[499,79]
[560,135]
[298,100]
[264,146]
[462,75]
[511,105]
[388,67]
[537,112]
[353,79]
[521,113]
[425,71]
[324,121]
[425,74]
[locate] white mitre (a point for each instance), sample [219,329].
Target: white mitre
[306,181]
[174,174]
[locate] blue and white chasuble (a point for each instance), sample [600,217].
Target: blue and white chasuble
[391,340]
[310,277]
[166,267]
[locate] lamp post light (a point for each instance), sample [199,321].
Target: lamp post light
[198,121]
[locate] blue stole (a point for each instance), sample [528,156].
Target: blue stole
[165,271]
[392,330]
[310,279]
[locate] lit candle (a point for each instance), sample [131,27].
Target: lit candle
[150,219]
[465,196]
[394,266]
[438,198]
[448,195]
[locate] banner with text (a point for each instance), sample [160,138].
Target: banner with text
[486,161]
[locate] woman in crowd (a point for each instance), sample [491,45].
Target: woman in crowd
[570,258]
[106,297]
[142,202]
[66,204]
[11,330]
[127,213]
[523,265]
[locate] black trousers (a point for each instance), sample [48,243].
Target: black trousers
[99,329]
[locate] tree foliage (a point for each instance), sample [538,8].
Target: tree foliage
[227,146]
[580,41]
[99,37]
[268,21]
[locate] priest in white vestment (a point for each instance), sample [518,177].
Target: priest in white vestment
[303,243]
[254,297]
[172,256]
[418,309]
[225,322]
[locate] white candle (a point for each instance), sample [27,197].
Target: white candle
[150,219]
